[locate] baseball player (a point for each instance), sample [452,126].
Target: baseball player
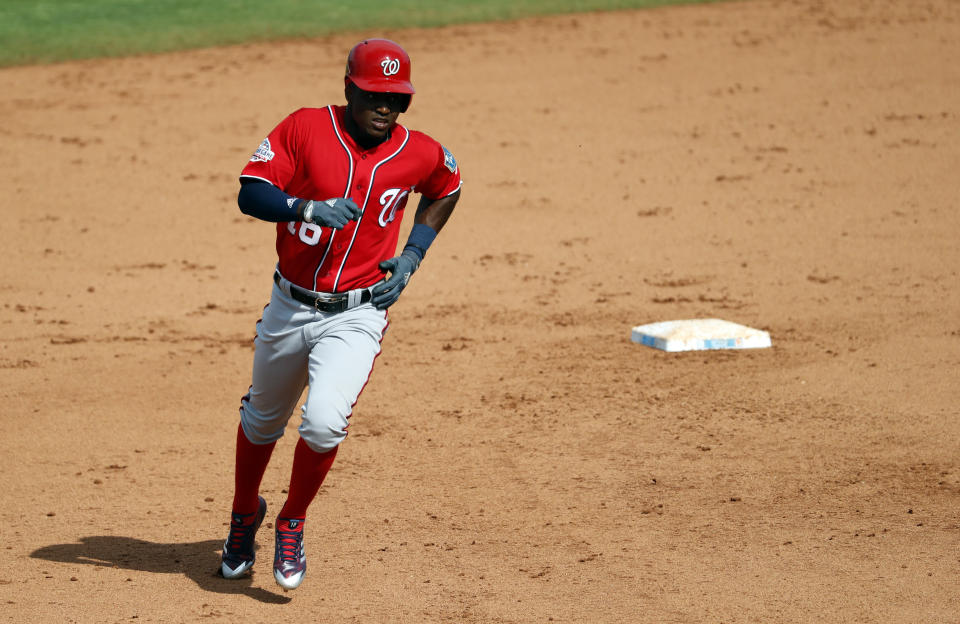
[335,180]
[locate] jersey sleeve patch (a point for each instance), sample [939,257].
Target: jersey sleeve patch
[265,154]
[449,161]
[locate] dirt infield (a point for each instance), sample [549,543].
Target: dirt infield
[788,165]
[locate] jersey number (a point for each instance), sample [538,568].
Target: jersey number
[391,199]
[309,232]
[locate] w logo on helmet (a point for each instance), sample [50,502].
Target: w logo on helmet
[390,66]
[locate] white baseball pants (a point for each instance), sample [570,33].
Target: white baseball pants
[297,346]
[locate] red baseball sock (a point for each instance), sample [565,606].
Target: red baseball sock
[309,470]
[252,460]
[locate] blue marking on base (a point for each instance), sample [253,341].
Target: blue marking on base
[720,343]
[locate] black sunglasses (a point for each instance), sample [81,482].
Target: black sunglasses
[393,101]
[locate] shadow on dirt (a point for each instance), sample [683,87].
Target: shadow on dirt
[198,561]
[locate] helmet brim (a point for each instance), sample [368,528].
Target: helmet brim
[383,86]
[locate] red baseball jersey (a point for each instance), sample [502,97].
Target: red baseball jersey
[310,155]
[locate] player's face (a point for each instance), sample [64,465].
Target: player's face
[376,113]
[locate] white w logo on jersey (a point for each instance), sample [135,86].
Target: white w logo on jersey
[390,66]
[390,199]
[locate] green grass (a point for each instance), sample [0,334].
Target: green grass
[45,31]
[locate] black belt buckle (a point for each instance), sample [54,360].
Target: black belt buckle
[330,303]
[321,302]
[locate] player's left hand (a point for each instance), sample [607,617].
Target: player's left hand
[386,292]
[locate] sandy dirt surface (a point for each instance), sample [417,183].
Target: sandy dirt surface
[787,165]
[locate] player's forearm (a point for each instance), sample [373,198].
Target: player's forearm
[431,216]
[266,202]
[435,212]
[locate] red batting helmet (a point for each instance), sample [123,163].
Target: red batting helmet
[379,65]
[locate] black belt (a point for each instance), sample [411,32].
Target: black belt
[324,302]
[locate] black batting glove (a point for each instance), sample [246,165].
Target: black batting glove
[332,213]
[386,292]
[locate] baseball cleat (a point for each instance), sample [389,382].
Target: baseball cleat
[289,562]
[238,555]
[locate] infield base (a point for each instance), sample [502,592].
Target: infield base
[699,335]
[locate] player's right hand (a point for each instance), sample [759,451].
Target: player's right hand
[333,213]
